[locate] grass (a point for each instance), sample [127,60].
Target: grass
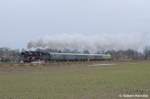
[75,81]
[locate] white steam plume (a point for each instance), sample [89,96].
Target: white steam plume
[93,42]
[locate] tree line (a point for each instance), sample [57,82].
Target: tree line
[13,55]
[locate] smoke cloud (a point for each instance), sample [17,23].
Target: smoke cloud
[92,42]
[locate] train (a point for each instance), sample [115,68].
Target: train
[32,56]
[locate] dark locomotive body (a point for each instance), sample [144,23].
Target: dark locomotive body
[32,56]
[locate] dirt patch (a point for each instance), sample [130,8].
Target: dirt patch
[102,65]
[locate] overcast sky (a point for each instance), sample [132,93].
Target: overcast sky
[24,20]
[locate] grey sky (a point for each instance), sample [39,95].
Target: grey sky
[24,20]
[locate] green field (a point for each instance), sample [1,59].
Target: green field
[74,80]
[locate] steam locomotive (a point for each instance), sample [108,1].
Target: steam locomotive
[32,56]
